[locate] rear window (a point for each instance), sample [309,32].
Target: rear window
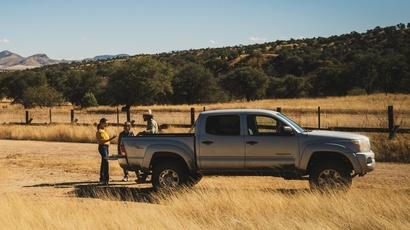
[223,125]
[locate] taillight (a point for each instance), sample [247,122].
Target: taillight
[122,150]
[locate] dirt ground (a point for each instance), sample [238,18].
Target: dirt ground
[35,168]
[53,185]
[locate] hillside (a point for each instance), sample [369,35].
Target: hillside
[12,61]
[375,61]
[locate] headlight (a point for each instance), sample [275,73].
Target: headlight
[361,145]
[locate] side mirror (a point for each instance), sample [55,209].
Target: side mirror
[287,130]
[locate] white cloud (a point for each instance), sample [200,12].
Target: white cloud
[257,39]
[4,40]
[213,42]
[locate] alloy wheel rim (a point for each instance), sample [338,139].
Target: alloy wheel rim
[330,178]
[168,178]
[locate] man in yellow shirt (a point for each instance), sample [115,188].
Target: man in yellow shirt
[103,140]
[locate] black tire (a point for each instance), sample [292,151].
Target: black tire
[330,176]
[169,175]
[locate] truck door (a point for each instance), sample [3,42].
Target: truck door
[267,146]
[221,143]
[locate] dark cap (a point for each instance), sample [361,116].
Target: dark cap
[103,120]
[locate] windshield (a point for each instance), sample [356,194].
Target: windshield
[291,122]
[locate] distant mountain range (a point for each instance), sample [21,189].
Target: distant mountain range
[10,61]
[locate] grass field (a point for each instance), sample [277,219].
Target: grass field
[351,111]
[50,185]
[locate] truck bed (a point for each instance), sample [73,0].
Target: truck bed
[138,147]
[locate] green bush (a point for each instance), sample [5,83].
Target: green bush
[246,82]
[88,100]
[41,96]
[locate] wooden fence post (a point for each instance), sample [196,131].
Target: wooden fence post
[192,116]
[49,113]
[279,109]
[118,116]
[390,117]
[391,126]
[318,117]
[72,116]
[128,114]
[27,117]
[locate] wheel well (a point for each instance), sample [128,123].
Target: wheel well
[318,157]
[167,156]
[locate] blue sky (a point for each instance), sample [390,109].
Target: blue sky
[76,29]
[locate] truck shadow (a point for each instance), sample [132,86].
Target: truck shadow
[115,191]
[120,191]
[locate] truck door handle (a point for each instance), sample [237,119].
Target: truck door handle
[251,142]
[207,142]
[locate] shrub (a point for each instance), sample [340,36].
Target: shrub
[41,96]
[88,100]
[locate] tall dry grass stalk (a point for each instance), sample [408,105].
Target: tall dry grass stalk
[372,105]
[63,133]
[349,111]
[394,150]
[212,208]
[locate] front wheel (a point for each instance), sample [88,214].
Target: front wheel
[169,175]
[330,175]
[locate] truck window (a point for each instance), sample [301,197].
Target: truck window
[263,125]
[223,125]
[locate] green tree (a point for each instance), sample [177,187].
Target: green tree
[194,84]
[79,82]
[41,96]
[246,82]
[330,81]
[17,82]
[140,81]
[394,73]
[288,86]
[88,100]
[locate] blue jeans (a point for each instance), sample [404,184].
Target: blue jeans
[104,168]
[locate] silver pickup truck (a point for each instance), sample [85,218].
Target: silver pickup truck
[248,142]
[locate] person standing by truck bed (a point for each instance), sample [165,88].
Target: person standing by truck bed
[103,140]
[152,125]
[125,133]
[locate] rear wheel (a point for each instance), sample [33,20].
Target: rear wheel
[330,175]
[168,175]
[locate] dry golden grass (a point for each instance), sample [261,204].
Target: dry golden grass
[378,102]
[42,187]
[67,133]
[63,133]
[356,111]
[207,208]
